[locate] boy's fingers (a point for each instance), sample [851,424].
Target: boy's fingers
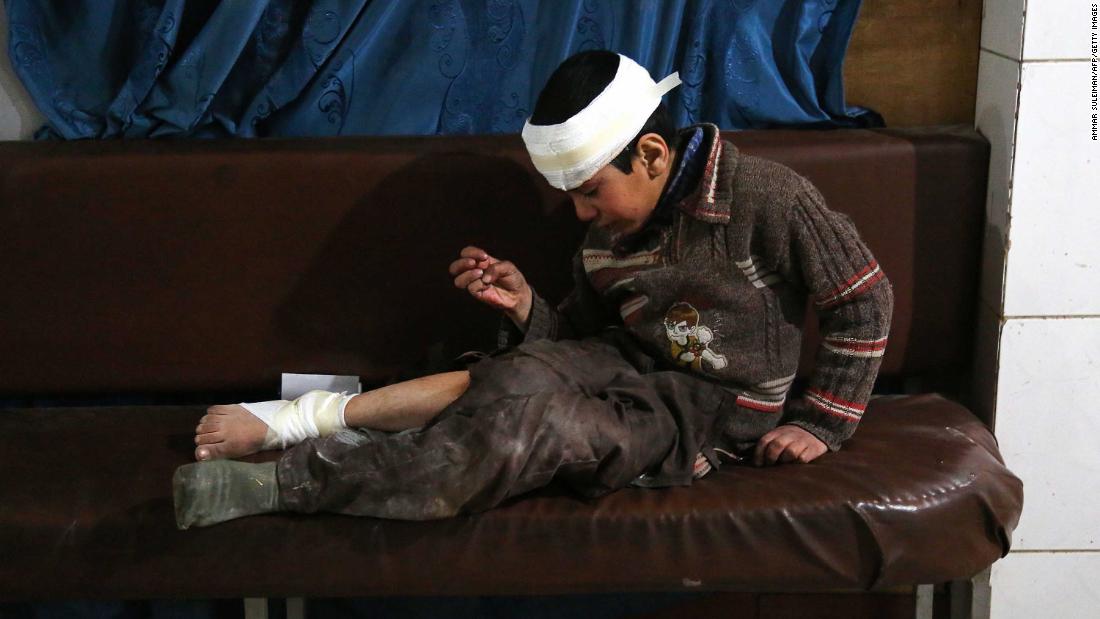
[758,453]
[814,449]
[774,437]
[460,265]
[490,295]
[774,450]
[500,271]
[767,443]
[476,287]
[465,279]
[782,445]
[808,455]
[478,254]
[791,453]
[473,252]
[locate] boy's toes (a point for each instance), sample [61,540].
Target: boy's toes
[210,451]
[209,438]
[228,432]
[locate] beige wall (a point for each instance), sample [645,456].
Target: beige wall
[915,61]
[19,119]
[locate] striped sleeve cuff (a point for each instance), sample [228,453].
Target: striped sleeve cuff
[831,419]
[542,323]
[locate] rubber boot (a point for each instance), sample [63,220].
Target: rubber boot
[210,492]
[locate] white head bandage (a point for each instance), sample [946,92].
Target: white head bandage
[572,152]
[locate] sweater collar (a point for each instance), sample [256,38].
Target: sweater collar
[694,189]
[708,201]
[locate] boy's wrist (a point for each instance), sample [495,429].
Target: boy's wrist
[521,313]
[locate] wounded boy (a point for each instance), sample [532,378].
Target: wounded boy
[675,351]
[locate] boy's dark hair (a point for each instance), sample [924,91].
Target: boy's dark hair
[576,82]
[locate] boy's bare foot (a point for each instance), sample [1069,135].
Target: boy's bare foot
[228,431]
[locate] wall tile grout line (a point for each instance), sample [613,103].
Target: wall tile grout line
[1050,317]
[1031,551]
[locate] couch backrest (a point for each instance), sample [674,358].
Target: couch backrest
[172,267]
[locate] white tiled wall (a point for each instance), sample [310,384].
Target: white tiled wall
[19,118]
[1048,427]
[1054,259]
[1057,29]
[1046,586]
[1046,361]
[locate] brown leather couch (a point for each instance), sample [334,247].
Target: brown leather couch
[151,278]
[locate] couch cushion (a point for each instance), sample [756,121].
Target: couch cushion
[920,494]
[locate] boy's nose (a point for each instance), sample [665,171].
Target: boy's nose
[584,211]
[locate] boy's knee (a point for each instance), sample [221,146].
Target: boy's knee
[515,376]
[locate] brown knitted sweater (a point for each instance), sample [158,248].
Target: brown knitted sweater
[717,283]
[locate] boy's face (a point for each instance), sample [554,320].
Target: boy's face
[621,203]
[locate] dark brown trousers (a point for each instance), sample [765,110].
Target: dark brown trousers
[572,411]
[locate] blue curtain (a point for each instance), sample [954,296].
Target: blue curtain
[200,68]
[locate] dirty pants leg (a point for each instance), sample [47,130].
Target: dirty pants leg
[593,422]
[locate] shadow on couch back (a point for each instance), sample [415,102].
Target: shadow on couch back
[163,272]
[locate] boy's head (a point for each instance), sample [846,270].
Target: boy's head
[600,132]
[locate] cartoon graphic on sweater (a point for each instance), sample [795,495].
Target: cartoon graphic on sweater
[689,340]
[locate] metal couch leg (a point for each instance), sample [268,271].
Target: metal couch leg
[926,597]
[255,608]
[970,598]
[295,608]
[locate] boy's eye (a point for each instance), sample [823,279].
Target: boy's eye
[590,192]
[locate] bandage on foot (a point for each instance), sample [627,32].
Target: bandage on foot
[315,414]
[207,493]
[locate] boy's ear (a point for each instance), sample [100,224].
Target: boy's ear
[655,154]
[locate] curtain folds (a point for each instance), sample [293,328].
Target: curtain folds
[202,68]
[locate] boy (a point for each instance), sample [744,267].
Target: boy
[675,350]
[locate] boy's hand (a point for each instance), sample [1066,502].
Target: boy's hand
[788,444]
[497,283]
